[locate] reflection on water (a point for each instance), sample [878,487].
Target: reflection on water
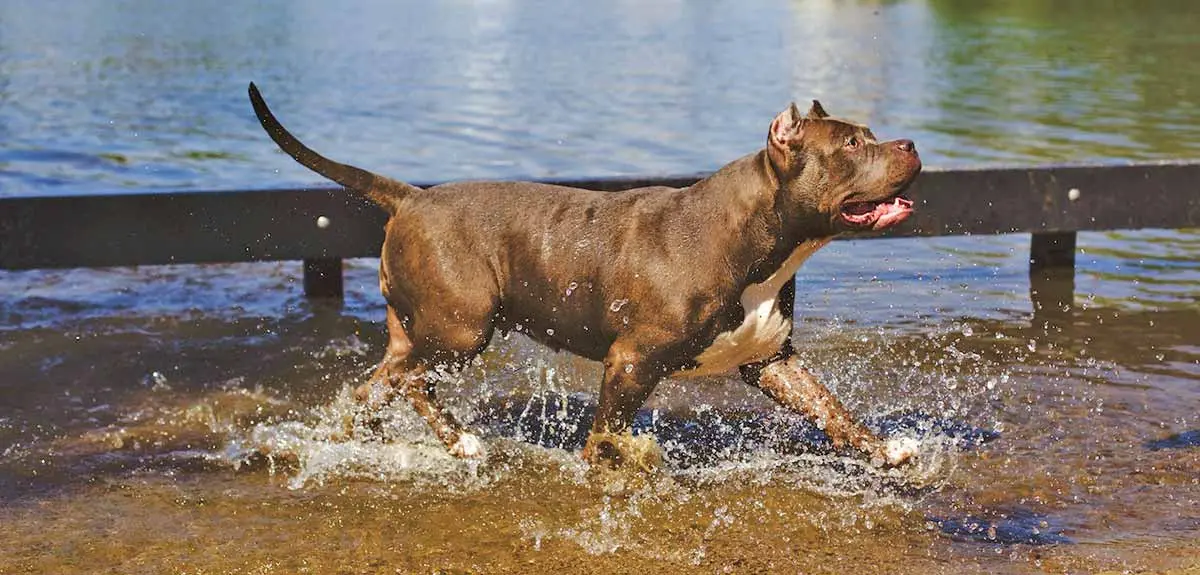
[142,95]
[1146,270]
[192,418]
[1085,79]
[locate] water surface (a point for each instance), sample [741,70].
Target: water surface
[185,418]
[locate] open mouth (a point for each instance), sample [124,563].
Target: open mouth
[877,215]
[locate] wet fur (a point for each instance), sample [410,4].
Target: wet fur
[644,280]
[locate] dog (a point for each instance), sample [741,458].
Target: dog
[654,282]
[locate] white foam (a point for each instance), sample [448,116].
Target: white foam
[400,447]
[901,449]
[469,446]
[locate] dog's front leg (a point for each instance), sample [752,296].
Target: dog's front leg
[629,378]
[784,380]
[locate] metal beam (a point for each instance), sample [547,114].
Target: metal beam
[254,225]
[1056,198]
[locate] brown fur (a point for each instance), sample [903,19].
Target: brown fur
[642,280]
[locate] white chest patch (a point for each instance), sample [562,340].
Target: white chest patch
[763,330]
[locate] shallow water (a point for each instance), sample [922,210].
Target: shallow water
[191,419]
[170,437]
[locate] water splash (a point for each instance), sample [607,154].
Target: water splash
[335,442]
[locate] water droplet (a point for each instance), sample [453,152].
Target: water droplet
[571,287]
[625,320]
[157,379]
[617,305]
[550,331]
[629,368]
[1032,345]
[967,331]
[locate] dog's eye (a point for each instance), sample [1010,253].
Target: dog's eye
[852,143]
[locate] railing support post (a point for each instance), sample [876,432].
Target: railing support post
[323,278]
[1052,272]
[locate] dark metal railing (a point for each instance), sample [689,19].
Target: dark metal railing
[1050,202]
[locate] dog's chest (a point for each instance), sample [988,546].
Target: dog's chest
[763,330]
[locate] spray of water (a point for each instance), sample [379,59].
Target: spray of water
[534,408]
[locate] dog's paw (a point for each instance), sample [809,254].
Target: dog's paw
[616,451]
[898,450]
[468,446]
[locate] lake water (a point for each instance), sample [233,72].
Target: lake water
[180,418]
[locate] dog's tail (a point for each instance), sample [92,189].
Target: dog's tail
[381,189]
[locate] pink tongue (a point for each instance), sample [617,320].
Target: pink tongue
[881,214]
[897,205]
[891,213]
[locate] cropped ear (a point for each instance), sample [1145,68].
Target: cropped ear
[786,128]
[817,112]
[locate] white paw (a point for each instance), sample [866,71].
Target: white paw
[900,449]
[468,446]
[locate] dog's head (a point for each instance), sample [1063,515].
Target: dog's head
[835,173]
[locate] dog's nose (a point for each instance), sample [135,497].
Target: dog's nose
[906,146]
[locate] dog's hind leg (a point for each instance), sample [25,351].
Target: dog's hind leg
[380,388]
[403,370]
[421,394]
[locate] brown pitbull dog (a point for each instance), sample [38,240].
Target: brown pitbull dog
[655,282]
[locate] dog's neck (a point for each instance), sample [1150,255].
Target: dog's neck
[750,191]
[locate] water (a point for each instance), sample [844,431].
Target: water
[190,418]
